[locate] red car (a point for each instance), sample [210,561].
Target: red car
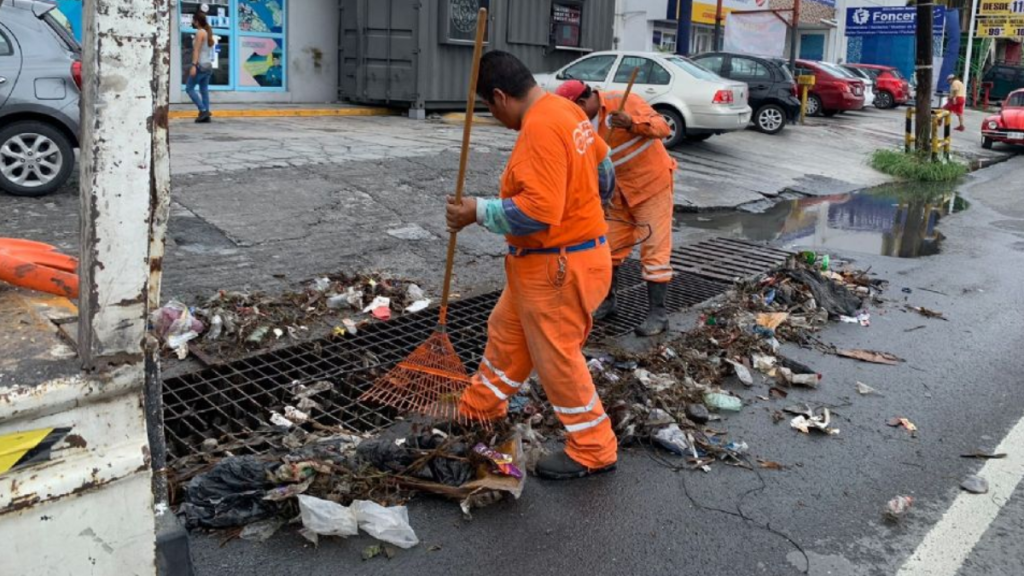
[831,93]
[1008,125]
[891,88]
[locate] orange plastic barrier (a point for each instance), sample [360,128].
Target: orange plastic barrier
[38,266]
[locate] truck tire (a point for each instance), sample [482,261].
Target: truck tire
[35,158]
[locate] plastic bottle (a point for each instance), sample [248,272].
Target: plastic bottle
[723,402]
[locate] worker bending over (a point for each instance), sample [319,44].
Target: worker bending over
[641,209]
[558,267]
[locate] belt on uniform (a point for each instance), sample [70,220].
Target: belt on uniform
[588,245]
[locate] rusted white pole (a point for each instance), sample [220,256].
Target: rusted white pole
[125,175]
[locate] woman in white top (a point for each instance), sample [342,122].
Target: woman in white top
[201,67]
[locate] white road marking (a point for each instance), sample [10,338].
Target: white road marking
[949,543]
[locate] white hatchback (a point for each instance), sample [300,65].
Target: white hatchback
[696,102]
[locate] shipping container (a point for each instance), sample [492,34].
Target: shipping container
[417,53]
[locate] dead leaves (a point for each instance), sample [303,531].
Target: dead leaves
[872,356]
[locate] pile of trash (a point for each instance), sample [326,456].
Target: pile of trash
[325,479]
[231,322]
[338,484]
[671,397]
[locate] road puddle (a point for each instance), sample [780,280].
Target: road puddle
[898,219]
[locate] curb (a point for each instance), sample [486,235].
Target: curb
[285,113]
[460,117]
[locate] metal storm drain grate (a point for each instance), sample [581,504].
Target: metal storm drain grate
[237,398]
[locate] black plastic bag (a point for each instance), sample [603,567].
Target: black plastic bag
[231,494]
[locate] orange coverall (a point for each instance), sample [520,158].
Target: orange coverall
[643,171]
[543,316]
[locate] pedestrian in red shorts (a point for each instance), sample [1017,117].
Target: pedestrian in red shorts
[957,99]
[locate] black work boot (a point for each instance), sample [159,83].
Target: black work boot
[608,308]
[559,466]
[657,315]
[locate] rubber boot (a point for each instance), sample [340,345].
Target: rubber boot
[609,307]
[657,315]
[559,466]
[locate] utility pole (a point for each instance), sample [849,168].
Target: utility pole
[925,12]
[684,12]
[715,45]
[793,36]
[972,27]
[839,50]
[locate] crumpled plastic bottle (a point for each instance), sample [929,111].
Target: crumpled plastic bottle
[723,402]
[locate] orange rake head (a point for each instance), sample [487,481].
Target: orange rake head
[429,382]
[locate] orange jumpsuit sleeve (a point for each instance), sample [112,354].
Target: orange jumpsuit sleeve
[647,122]
[539,179]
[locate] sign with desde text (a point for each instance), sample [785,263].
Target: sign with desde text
[1001,8]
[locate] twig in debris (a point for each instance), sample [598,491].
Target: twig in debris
[933,291]
[914,328]
[926,312]
[983,455]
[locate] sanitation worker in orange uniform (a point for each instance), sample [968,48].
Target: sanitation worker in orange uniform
[641,209]
[558,266]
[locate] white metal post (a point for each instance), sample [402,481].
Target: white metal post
[970,44]
[839,52]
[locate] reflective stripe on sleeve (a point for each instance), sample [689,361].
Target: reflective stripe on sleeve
[625,146]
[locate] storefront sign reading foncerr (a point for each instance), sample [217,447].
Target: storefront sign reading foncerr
[891,20]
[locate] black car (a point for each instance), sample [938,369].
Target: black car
[772,87]
[1005,78]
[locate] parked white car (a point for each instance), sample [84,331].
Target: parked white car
[696,102]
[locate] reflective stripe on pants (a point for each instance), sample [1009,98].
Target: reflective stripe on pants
[539,324]
[655,251]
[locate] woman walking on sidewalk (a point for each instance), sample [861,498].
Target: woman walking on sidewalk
[201,69]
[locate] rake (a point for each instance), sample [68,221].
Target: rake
[431,379]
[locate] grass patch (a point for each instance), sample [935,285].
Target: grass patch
[916,167]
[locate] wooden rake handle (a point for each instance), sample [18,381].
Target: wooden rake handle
[478,47]
[622,105]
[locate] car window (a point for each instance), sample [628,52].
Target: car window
[650,72]
[747,68]
[871,72]
[5,45]
[593,69]
[713,63]
[692,68]
[895,73]
[838,71]
[1015,99]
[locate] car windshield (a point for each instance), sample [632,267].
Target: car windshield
[895,73]
[693,69]
[858,73]
[838,71]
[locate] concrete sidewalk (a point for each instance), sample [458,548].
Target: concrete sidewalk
[187,111]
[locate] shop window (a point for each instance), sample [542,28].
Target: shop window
[593,69]
[458,20]
[566,21]
[250,43]
[650,72]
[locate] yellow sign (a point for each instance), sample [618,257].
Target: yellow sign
[1001,7]
[705,13]
[805,80]
[1011,27]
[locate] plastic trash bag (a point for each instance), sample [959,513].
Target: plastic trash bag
[327,518]
[230,494]
[175,324]
[388,524]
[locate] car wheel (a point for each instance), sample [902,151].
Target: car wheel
[35,158]
[675,124]
[813,105]
[884,100]
[770,119]
[986,143]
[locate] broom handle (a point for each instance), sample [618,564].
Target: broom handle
[622,105]
[478,46]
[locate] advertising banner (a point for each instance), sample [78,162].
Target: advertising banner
[889,20]
[762,34]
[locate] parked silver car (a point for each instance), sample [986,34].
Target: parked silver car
[40,83]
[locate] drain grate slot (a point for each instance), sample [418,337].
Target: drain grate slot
[236,398]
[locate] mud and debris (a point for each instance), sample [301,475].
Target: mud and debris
[676,398]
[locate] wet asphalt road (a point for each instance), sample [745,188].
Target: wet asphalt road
[960,385]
